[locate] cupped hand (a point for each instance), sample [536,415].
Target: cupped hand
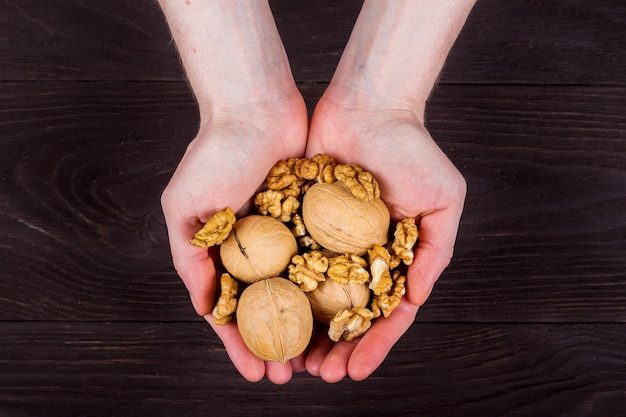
[417,180]
[223,167]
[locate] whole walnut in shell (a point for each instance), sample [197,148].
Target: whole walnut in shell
[258,247]
[275,320]
[343,223]
[331,297]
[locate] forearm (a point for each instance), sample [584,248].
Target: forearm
[231,51]
[397,50]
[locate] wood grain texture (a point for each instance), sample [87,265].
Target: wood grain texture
[527,321]
[104,369]
[546,206]
[83,169]
[543,235]
[547,42]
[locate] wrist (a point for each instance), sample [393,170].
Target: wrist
[397,50]
[232,53]
[281,102]
[353,97]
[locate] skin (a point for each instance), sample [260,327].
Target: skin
[251,116]
[372,114]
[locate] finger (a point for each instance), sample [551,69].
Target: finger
[278,373]
[335,365]
[194,265]
[298,363]
[318,351]
[437,235]
[376,343]
[248,365]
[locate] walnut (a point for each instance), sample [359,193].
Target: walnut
[277,204]
[274,319]
[362,184]
[305,169]
[282,176]
[350,324]
[405,237]
[298,229]
[326,168]
[379,260]
[308,270]
[334,215]
[309,242]
[343,223]
[385,303]
[215,230]
[348,269]
[291,175]
[330,297]
[258,247]
[300,232]
[227,301]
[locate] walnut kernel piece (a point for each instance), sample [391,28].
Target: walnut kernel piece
[259,247]
[326,168]
[350,324]
[385,303]
[361,183]
[405,237]
[379,260]
[281,175]
[309,242]
[216,230]
[308,270]
[227,301]
[305,169]
[342,223]
[277,204]
[275,320]
[298,229]
[348,269]
[269,202]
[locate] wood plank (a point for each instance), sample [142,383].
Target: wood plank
[67,40]
[82,236]
[104,369]
[549,42]
[545,219]
[83,167]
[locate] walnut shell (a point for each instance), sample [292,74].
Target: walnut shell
[330,297]
[258,247]
[275,320]
[342,223]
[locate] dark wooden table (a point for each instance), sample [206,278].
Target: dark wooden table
[530,318]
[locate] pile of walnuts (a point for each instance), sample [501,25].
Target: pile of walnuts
[322,247]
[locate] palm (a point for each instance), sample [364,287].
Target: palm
[417,180]
[223,167]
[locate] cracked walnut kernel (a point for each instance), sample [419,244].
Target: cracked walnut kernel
[277,204]
[348,269]
[385,303]
[379,260]
[405,237]
[227,302]
[350,324]
[361,183]
[326,168]
[216,230]
[308,270]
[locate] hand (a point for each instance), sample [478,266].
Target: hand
[416,180]
[223,167]
[252,116]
